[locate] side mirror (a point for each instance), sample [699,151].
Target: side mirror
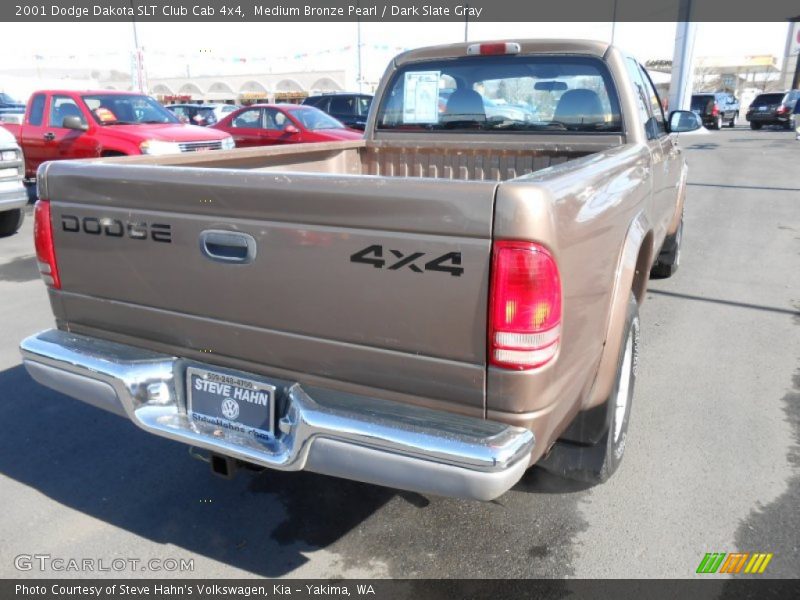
[683,121]
[74,123]
[291,129]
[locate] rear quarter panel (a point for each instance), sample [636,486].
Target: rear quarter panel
[585,212]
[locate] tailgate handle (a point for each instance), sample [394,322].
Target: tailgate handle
[228,246]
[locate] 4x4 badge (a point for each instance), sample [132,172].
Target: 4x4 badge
[374,255]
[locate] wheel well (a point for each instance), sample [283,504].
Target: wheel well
[643,263]
[107,153]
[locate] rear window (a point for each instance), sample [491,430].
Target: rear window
[701,102]
[502,93]
[313,100]
[768,99]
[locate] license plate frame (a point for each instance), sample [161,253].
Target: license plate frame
[232,401]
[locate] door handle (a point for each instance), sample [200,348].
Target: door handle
[229,247]
[49,136]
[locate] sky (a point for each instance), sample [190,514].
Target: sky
[173,49]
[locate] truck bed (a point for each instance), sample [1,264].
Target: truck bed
[484,161]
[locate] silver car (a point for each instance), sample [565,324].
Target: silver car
[13,196]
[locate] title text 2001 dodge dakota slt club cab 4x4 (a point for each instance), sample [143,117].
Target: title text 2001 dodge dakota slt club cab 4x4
[436,307]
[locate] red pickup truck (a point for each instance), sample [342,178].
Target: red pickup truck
[62,124]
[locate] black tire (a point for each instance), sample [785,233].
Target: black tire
[594,463]
[670,256]
[11,221]
[732,123]
[717,124]
[755,126]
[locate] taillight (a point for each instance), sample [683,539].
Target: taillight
[493,48]
[524,306]
[715,111]
[43,238]
[782,109]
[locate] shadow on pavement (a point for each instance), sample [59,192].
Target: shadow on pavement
[775,309]
[779,521]
[265,523]
[21,269]
[703,146]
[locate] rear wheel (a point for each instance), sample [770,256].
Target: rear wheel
[755,126]
[11,221]
[717,122]
[732,121]
[597,452]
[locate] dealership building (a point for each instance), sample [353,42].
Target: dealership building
[244,89]
[237,89]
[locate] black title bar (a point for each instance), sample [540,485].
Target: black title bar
[398,10]
[411,589]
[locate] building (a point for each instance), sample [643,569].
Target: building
[245,89]
[237,89]
[743,76]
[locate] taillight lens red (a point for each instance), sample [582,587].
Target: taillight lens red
[524,306]
[782,109]
[715,111]
[45,251]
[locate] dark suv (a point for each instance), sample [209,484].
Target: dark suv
[350,109]
[773,109]
[716,108]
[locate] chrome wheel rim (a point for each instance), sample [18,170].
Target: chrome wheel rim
[624,387]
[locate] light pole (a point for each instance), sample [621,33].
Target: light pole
[613,21]
[358,45]
[138,75]
[680,88]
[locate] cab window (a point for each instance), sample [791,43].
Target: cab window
[659,123]
[37,110]
[249,119]
[274,119]
[62,107]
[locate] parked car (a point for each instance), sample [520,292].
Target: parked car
[13,195]
[10,106]
[63,124]
[350,109]
[222,110]
[430,308]
[774,108]
[796,118]
[269,124]
[194,114]
[716,108]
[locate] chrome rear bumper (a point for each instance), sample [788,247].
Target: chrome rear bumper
[320,430]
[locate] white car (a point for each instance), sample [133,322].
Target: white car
[13,195]
[222,110]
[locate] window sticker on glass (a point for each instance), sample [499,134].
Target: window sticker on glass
[104,114]
[421,97]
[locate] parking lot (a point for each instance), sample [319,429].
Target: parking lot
[713,462]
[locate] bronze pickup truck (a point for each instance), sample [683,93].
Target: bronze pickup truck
[436,308]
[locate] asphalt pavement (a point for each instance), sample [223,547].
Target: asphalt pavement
[712,463]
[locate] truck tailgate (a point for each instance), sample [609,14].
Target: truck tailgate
[378,282]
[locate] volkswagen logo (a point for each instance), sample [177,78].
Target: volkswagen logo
[230,409]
